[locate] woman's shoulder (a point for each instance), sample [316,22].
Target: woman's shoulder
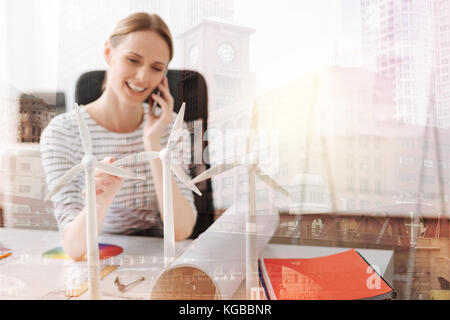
[67,117]
[62,124]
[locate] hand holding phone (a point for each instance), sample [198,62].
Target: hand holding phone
[155,126]
[156,109]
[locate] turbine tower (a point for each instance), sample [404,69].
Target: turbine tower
[251,163]
[169,166]
[88,165]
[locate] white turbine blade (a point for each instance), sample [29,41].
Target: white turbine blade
[184,178]
[254,119]
[123,161]
[84,131]
[148,155]
[212,172]
[93,260]
[116,171]
[270,181]
[137,157]
[169,229]
[251,140]
[174,133]
[65,179]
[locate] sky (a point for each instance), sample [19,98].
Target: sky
[296,37]
[29,28]
[292,38]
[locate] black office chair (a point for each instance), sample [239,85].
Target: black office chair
[444,283]
[184,85]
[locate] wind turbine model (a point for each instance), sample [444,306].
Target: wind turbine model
[168,166]
[251,162]
[88,164]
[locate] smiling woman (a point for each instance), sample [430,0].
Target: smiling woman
[121,123]
[141,22]
[136,65]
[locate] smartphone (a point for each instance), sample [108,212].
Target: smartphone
[156,109]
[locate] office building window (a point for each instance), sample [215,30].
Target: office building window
[227,201]
[364,185]
[350,162]
[428,163]
[364,204]
[243,179]
[351,204]
[284,170]
[243,198]
[262,195]
[364,163]
[24,189]
[25,166]
[227,182]
[316,197]
[262,212]
[350,184]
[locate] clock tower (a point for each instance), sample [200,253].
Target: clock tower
[219,50]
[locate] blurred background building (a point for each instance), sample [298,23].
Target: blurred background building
[353,103]
[408,41]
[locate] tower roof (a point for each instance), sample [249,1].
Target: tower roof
[219,22]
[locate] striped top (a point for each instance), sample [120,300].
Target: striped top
[135,207]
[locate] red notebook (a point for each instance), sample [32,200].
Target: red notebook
[342,276]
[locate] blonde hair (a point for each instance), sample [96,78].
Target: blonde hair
[141,21]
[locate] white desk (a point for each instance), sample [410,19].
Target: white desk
[34,277]
[27,275]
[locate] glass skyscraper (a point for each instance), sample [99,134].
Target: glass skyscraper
[408,41]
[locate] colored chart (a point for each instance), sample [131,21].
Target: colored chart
[4,252]
[105,251]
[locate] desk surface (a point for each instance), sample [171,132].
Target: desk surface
[27,275]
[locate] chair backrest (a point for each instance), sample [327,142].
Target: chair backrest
[184,85]
[444,283]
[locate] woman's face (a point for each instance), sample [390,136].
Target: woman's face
[136,66]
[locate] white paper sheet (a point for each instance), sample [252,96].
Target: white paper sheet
[213,265]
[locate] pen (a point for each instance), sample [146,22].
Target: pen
[5,255]
[76,292]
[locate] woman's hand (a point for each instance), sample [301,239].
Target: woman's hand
[106,185]
[154,127]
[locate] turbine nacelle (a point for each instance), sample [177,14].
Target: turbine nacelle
[165,155]
[89,162]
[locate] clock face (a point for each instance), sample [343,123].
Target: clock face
[226,52]
[194,55]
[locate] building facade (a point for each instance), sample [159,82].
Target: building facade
[408,41]
[86,25]
[34,115]
[219,50]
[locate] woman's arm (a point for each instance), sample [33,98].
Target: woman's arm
[74,235]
